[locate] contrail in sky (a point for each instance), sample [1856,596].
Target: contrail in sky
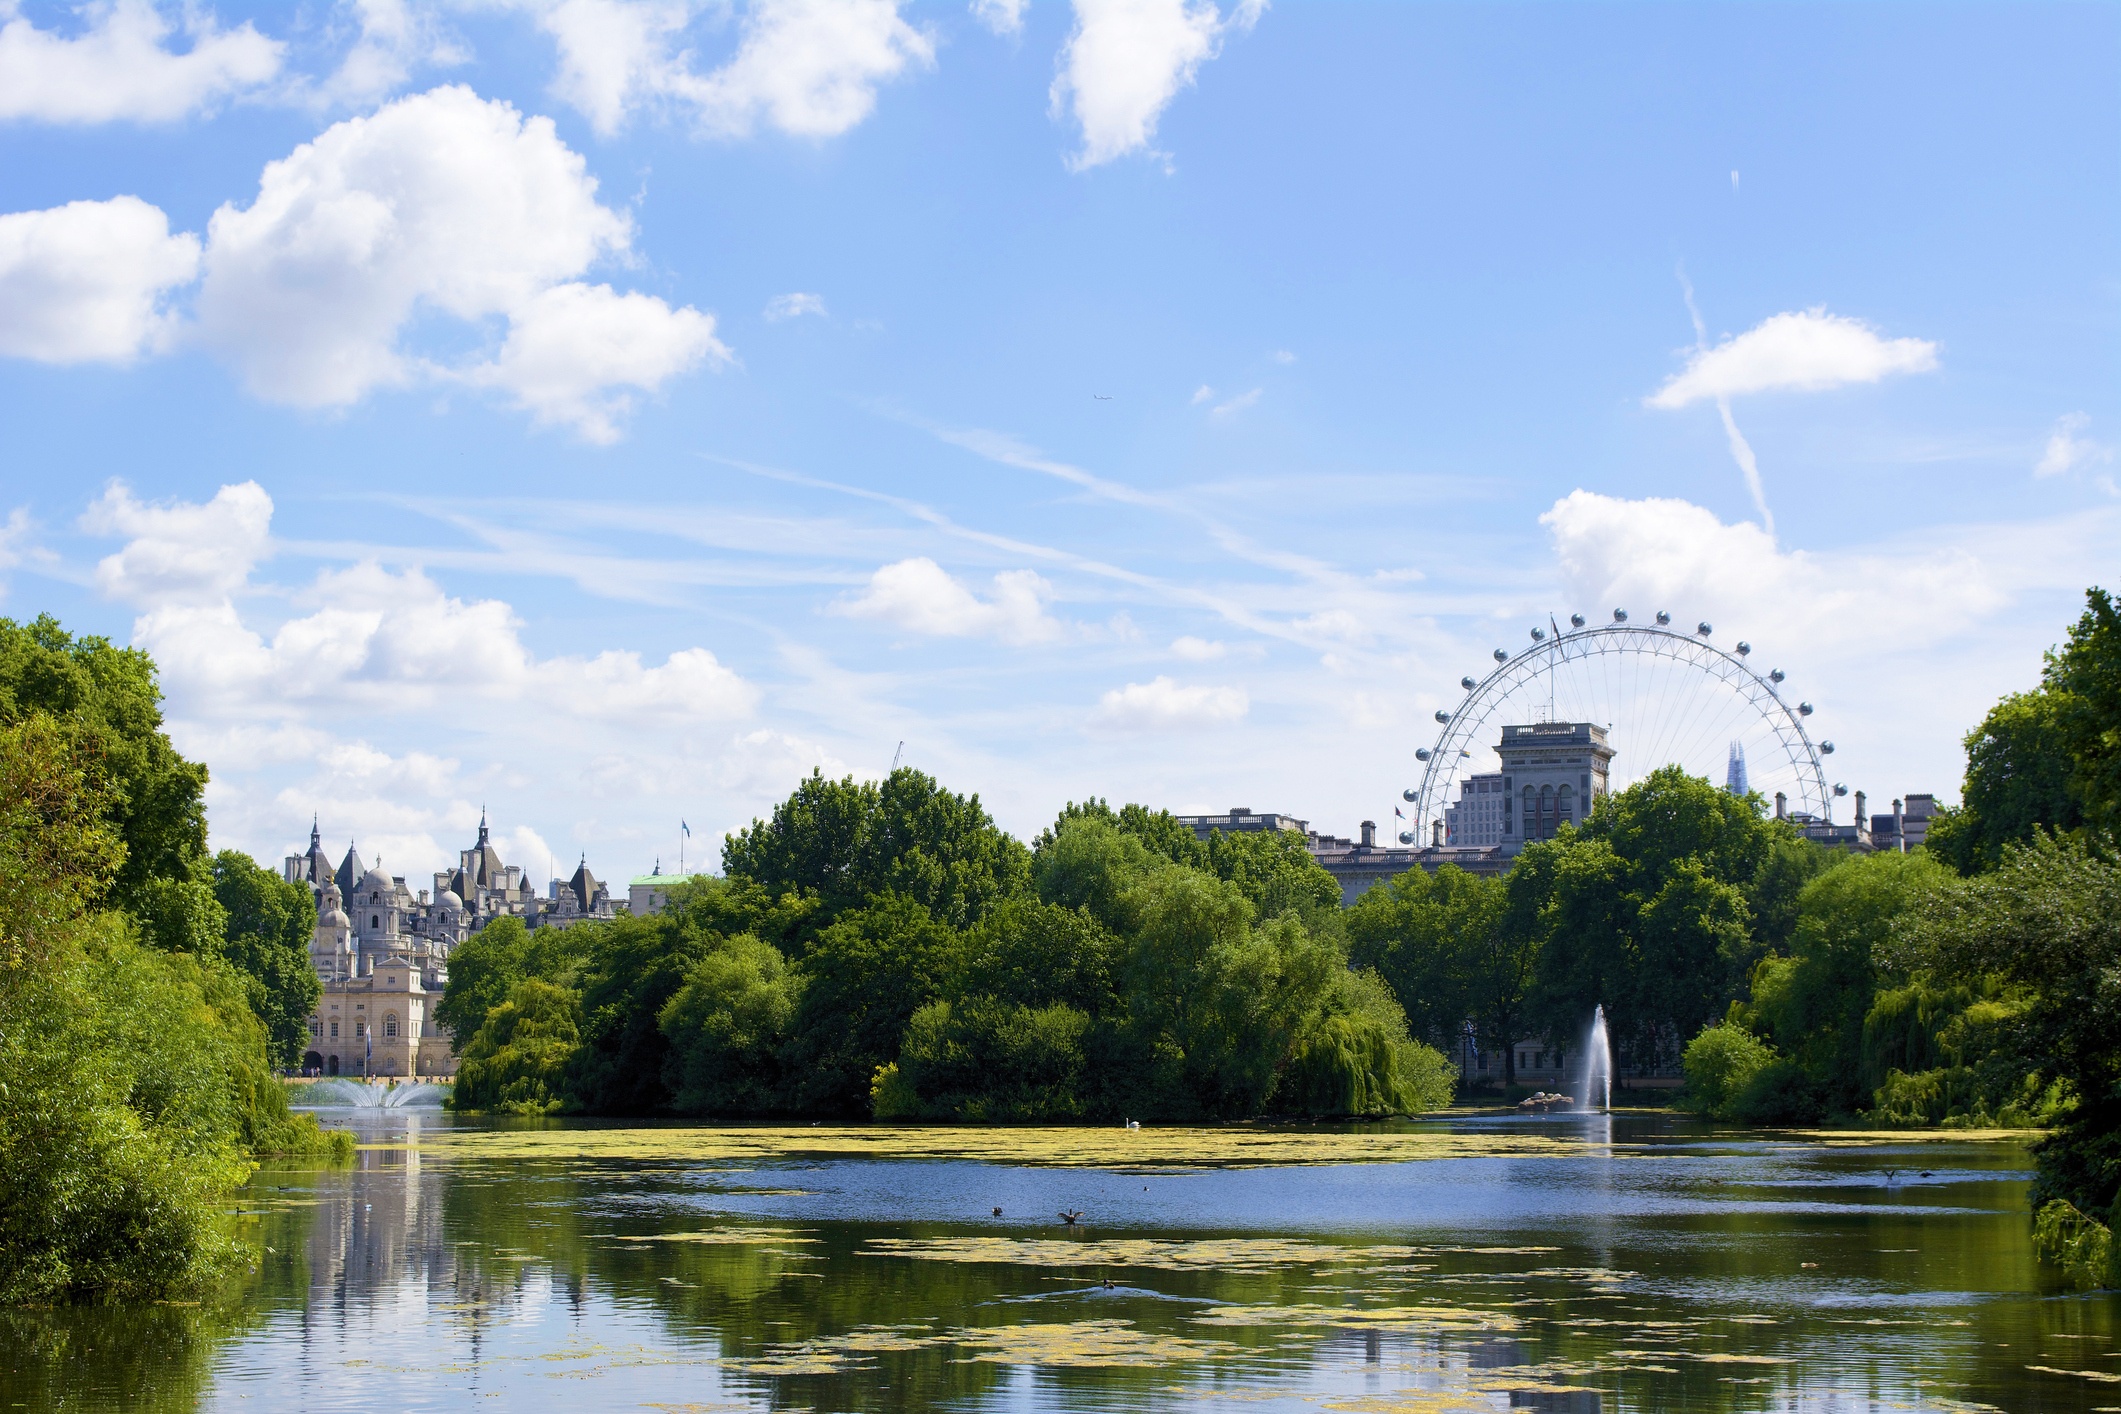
[1741,450]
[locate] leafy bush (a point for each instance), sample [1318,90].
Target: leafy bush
[1719,1064]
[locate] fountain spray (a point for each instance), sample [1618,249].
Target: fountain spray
[1597,1066]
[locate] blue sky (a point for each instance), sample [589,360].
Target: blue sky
[605,411]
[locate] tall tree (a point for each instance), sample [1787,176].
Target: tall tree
[1434,939]
[107,703]
[843,842]
[270,923]
[2047,760]
[2048,919]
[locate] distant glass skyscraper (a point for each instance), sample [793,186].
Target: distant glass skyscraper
[1734,774]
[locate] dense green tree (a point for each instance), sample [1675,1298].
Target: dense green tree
[2086,672]
[1649,909]
[269,926]
[134,1083]
[108,705]
[487,966]
[863,979]
[1812,1004]
[1435,938]
[2048,759]
[2048,920]
[2018,781]
[728,1026]
[1033,954]
[982,1058]
[519,1060]
[629,970]
[1090,863]
[1273,869]
[844,843]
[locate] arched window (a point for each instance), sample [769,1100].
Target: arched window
[1565,804]
[374,922]
[390,1024]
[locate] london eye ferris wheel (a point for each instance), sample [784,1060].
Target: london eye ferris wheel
[1665,696]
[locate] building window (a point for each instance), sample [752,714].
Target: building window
[316,1028]
[390,1024]
[374,922]
[335,1031]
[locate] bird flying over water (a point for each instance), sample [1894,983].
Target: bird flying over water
[1070,1218]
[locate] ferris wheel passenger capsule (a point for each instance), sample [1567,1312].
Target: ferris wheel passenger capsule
[1575,621]
[1502,655]
[1406,837]
[1826,748]
[1468,684]
[1744,648]
[1408,794]
[1663,618]
[1421,754]
[1620,616]
[1443,718]
[1804,709]
[1840,789]
[1539,635]
[1703,628]
[1775,675]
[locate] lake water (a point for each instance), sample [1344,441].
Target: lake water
[1562,1263]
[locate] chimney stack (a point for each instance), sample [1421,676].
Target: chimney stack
[1782,806]
[1369,834]
[1436,834]
[1899,826]
[1863,821]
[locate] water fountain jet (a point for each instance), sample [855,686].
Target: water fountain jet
[1597,1067]
[370,1094]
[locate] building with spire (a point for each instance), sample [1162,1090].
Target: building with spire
[1734,773]
[382,949]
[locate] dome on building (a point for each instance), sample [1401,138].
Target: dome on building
[448,902]
[376,887]
[332,915]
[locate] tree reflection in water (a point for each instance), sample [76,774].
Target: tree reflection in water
[1665,1271]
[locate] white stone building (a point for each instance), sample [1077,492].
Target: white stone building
[382,950]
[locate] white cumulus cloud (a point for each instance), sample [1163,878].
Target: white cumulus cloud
[89,281]
[372,637]
[574,351]
[810,68]
[120,66]
[920,595]
[1802,350]
[441,203]
[1126,61]
[1662,553]
[1161,704]
[180,552]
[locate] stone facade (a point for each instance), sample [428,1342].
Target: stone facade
[382,950]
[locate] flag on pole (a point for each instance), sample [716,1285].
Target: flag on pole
[1400,813]
[686,828]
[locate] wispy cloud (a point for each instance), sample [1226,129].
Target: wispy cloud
[794,306]
[2067,451]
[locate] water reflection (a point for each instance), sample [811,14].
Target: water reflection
[1661,1267]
